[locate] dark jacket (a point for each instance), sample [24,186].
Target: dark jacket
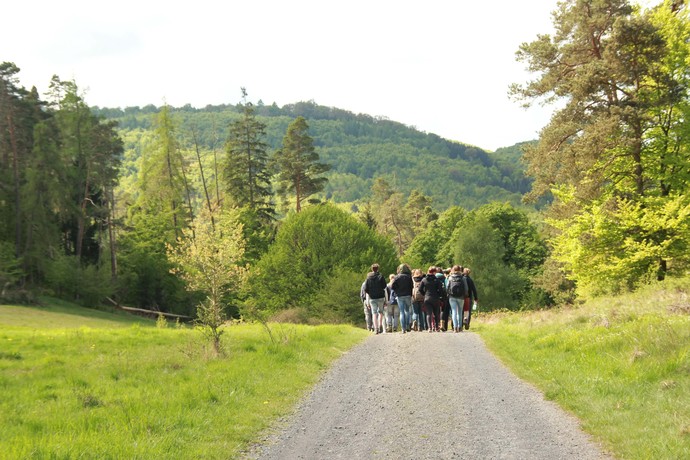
[391,295]
[457,279]
[431,287]
[442,278]
[471,289]
[375,285]
[403,284]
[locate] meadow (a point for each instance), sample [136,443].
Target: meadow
[81,383]
[620,364]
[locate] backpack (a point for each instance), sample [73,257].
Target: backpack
[416,295]
[456,287]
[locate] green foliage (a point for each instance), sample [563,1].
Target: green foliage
[480,246]
[309,247]
[617,165]
[431,246]
[338,300]
[10,269]
[500,245]
[208,257]
[87,285]
[145,279]
[602,245]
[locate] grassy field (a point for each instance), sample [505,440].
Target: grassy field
[79,383]
[621,365]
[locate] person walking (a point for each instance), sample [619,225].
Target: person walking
[457,290]
[470,299]
[375,288]
[444,309]
[367,308]
[402,285]
[432,289]
[418,317]
[392,309]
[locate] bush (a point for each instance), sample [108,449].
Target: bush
[88,285]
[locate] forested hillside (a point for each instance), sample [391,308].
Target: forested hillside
[358,147]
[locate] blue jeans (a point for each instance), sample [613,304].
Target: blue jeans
[391,315]
[404,303]
[456,305]
[418,315]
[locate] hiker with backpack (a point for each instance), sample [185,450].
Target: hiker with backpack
[444,310]
[418,317]
[469,299]
[402,285]
[457,291]
[375,288]
[432,289]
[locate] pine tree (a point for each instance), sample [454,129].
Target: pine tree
[608,154]
[247,177]
[299,170]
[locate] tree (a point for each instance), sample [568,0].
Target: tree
[92,149]
[432,245]
[607,155]
[247,177]
[319,242]
[156,219]
[299,170]
[17,119]
[209,260]
[419,211]
[481,247]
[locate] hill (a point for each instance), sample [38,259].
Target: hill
[359,148]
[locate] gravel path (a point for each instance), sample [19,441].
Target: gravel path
[425,396]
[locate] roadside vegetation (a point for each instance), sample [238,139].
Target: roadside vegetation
[620,364]
[124,387]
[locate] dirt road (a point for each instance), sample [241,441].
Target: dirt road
[425,396]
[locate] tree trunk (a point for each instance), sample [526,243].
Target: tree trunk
[17,197]
[203,180]
[111,234]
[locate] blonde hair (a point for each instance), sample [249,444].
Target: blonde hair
[417,272]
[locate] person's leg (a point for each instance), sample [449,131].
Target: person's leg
[367,317]
[455,306]
[404,306]
[466,310]
[437,316]
[376,306]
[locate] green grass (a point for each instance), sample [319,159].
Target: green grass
[621,365]
[123,388]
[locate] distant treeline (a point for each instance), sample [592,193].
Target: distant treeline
[360,148]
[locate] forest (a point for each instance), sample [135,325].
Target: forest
[258,211]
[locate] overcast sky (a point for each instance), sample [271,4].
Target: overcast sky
[442,66]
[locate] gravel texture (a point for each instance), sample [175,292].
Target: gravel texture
[425,396]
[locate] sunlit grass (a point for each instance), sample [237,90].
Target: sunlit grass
[140,391]
[622,365]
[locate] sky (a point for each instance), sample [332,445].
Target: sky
[441,66]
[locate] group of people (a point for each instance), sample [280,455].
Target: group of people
[423,302]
